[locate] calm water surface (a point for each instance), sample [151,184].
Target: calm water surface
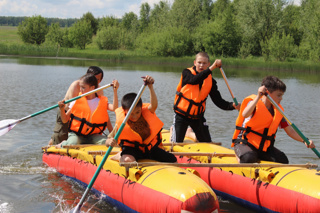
[28,85]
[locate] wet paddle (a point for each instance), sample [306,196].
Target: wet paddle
[78,207]
[7,125]
[226,80]
[305,139]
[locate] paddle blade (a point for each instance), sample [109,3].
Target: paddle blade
[7,125]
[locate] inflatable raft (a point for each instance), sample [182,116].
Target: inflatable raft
[144,189]
[263,189]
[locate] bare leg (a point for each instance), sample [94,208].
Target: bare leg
[237,158]
[190,134]
[127,158]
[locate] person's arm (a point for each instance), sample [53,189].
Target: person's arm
[294,135]
[111,142]
[153,97]
[65,116]
[218,100]
[114,104]
[109,125]
[252,105]
[189,78]
[217,63]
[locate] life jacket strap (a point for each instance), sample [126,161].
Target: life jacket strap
[137,145]
[264,136]
[83,121]
[199,106]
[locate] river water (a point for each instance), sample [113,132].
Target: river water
[29,85]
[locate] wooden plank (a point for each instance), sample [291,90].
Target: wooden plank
[100,152]
[254,165]
[188,143]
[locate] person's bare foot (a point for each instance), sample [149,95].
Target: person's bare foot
[59,146]
[116,157]
[191,134]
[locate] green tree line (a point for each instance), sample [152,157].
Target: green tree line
[15,21]
[274,29]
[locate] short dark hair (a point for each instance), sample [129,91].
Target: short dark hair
[128,99]
[90,79]
[95,71]
[273,83]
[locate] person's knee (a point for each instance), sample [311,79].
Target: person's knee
[172,159]
[282,158]
[249,157]
[127,158]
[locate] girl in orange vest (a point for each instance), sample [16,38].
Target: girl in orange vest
[258,122]
[196,84]
[141,135]
[60,131]
[88,116]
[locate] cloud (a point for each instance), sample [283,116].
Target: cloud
[71,8]
[297,2]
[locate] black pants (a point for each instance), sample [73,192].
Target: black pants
[249,154]
[199,126]
[155,153]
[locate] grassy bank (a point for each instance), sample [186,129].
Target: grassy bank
[11,44]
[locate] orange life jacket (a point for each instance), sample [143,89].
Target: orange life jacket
[129,137]
[84,122]
[190,100]
[260,131]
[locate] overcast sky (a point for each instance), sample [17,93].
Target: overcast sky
[73,8]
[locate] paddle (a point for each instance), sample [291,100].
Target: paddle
[78,207]
[7,125]
[226,80]
[305,139]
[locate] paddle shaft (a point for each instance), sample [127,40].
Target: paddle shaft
[55,106]
[305,139]
[67,101]
[226,80]
[77,209]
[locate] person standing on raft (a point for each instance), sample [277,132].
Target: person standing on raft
[195,85]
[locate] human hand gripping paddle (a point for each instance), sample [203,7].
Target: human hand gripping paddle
[305,139]
[78,207]
[8,124]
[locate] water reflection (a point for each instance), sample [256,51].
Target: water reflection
[307,75]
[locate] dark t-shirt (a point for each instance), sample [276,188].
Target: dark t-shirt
[189,78]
